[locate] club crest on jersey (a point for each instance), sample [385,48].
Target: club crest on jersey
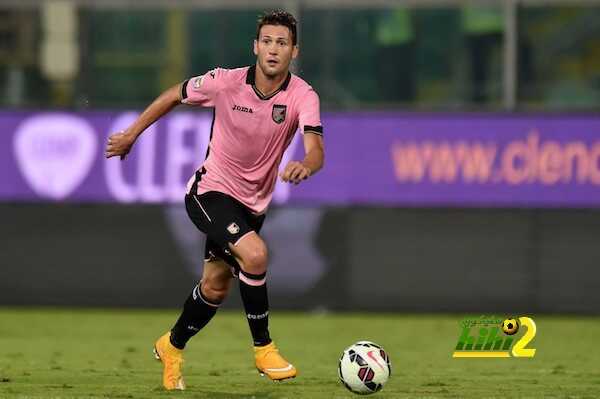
[233,228]
[278,113]
[198,82]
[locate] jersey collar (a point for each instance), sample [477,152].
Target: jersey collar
[251,80]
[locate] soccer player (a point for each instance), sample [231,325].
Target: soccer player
[257,110]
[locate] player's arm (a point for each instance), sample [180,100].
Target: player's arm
[295,171]
[309,121]
[119,144]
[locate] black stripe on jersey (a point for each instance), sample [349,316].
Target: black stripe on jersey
[184,90]
[198,177]
[212,125]
[313,129]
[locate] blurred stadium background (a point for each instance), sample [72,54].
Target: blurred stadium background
[462,154]
[365,233]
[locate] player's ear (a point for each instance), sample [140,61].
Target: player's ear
[295,52]
[255,47]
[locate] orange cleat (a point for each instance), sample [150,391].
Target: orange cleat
[172,360]
[270,363]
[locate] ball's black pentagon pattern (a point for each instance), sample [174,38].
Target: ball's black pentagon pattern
[368,345]
[383,354]
[356,358]
[374,387]
[361,361]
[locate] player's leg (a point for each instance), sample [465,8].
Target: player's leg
[251,253]
[234,230]
[206,297]
[203,302]
[198,310]
[200,306]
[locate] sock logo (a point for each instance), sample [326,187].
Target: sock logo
[258,316]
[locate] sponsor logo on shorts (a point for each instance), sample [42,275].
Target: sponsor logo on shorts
[233,228]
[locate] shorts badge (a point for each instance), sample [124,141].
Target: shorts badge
[233,228]
[278,113]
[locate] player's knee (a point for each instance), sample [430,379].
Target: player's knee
[255,262]
[214,291]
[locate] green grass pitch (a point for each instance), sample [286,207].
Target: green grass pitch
[49,353]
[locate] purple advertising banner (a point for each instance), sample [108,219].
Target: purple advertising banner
[372,158]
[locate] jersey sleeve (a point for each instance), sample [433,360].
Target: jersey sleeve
[309,114]
[202,90]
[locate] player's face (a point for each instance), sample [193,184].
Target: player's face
[274,49]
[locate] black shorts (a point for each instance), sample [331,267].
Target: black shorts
[224,220]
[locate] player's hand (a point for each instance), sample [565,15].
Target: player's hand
[119,144]
[295,172]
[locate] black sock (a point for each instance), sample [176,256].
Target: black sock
[253,289]
[197,312]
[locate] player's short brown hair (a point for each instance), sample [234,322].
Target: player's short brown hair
[278,17]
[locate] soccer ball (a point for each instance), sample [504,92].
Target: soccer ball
[364,367]
[510,326]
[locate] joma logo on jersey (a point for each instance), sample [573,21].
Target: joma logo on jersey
[492,337]
[243,109]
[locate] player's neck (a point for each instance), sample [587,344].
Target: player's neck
[268,85]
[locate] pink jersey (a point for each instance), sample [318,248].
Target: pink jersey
[250,131]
